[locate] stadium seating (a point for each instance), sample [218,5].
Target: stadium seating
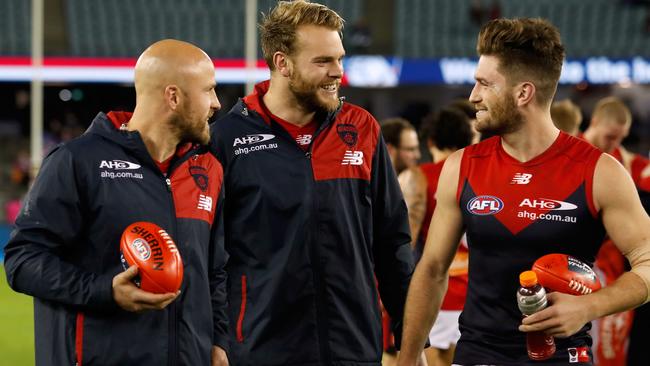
[15,31]
[441,28]
[422,28]
[123,28]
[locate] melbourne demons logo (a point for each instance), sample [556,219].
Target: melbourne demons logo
[348,133]
[485,205]
[200,175]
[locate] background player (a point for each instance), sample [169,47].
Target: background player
[445,132]
[402,143]
[566,116]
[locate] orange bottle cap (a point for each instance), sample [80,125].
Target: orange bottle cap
[528,278]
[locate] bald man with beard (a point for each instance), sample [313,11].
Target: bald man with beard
[151,166]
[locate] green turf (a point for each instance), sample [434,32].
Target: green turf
[16,326]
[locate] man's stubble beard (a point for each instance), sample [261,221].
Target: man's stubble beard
[504,118]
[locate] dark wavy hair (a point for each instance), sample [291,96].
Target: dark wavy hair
[448,128]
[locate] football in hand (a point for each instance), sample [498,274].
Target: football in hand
[147,245]
[566,274]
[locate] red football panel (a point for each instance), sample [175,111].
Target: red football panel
[154,285]
[555,274]
[550,281]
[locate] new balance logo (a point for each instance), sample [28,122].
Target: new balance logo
[303,139]
[205,203]
[352,158]
[521,178]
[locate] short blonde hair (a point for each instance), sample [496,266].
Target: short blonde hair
[278,27]
[566,116]
[612,109]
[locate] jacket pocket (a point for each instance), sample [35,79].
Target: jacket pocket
[79,338]
[242,311]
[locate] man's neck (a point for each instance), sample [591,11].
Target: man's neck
[531,140]
[282,103]
[160,142]
[589,135]
[439,155]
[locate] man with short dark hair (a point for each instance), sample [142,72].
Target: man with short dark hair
[487,190]
[402,143]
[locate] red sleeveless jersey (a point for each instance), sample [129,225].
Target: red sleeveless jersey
[637,165]
[457,287]
[432,172]
[514,213]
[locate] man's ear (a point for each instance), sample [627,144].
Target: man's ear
[525,93]
[282,63]
[172,96]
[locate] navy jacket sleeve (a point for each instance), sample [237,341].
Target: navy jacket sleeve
[392,250]
[47,228]
[218,279]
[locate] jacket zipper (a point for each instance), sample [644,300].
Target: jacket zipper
[242,311]
[173,341]
[173,307]
[79,338]
[319,282]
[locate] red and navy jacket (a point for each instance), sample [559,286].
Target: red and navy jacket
[306,232]
[65,251]
[514,213]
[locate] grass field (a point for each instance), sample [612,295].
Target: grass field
[16,326]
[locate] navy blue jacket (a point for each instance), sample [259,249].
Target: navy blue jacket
[65,251]
[311,237]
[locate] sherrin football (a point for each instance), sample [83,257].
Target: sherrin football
[566,274]
[160,268]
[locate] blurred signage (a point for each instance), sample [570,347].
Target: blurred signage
[360,71]
[594,70]
[112,70]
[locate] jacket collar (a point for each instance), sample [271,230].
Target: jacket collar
[110,125]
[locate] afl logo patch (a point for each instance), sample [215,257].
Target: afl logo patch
[484,205]
[141,247]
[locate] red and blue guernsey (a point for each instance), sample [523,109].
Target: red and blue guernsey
[514,213]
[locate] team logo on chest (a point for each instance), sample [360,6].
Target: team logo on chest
[348,133]
[200,176]
[484,205]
